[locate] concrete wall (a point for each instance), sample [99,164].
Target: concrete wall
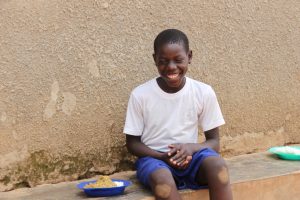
[67,68]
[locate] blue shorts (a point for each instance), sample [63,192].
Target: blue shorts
[184,178]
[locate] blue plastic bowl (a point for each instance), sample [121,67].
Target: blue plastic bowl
[104,192]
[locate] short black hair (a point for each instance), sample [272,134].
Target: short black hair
[171,36]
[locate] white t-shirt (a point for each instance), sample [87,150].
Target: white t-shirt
[162,118]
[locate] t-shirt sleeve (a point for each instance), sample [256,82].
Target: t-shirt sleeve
[211,115]
[134,123]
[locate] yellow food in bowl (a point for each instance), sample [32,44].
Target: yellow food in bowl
[102,182]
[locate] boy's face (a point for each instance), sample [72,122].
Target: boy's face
[172,62]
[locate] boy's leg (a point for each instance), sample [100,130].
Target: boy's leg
[214,172]
[163,185]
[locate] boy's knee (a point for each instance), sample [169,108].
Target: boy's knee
[217,169]
[223,175]
[162,190]
[162,183]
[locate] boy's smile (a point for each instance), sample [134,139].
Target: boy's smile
[172,61]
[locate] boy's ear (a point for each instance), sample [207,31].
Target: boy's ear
[190,55]
[154,58]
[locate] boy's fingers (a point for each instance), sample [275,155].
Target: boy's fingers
[172,152]
[180,160]
[181,163]
[189,158]
[176,156]
[185,164]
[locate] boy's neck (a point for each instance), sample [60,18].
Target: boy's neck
[163,85]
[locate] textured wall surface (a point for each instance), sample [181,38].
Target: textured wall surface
[67,68]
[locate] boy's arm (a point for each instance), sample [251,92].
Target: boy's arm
[139,149]
[212,139]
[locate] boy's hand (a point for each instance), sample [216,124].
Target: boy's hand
[185,163]
[180,155]
[166,158]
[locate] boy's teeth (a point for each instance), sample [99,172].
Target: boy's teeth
[172,75]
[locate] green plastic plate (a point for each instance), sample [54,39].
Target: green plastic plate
[286,152]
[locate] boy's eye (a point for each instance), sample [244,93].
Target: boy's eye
[178,61]
[163,62]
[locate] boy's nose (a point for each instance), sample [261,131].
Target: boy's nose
[171,64]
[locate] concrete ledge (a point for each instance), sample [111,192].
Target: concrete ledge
[259,176]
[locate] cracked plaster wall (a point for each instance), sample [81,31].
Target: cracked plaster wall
[67,68]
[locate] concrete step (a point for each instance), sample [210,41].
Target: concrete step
[259,176]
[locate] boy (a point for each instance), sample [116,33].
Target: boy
[162,121]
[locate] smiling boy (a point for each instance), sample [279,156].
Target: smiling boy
[162,121]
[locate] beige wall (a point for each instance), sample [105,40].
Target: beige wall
[67,68]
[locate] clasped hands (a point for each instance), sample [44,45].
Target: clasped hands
[179,156]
